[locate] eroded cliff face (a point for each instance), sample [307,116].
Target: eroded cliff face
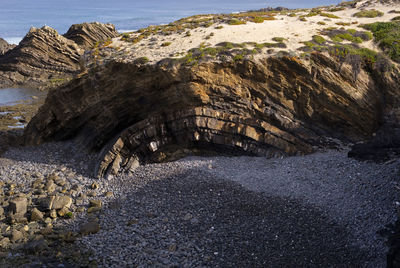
[44,57]
[276,106]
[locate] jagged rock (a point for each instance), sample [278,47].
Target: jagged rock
[45,58]
[36,215]
[5,47]
[271,107]
[43,54]
[86,35]
[16,236]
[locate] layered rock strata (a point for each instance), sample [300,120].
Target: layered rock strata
[87,34]
[44,57]
[135,113]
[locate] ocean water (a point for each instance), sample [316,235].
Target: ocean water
[11,96]
[17,16]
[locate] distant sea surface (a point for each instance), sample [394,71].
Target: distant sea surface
[17,16]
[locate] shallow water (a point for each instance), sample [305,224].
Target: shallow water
[12,96]
[16,17]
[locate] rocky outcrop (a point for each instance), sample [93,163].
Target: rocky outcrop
[4,46]
[275,106]
[46,58]
[40,56]
[87,34]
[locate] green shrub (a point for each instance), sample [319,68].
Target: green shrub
[258,20]
[278,39]
[337,39]
[165,44]
[219,27]
[318,39]
[394,11]
[372,13]
[236,22]
[343,23]
[321,23]
[142,60]
[188,33]
[329,15]
[387,35]
[292,15]
[238,57]
[396,18]
[303,19]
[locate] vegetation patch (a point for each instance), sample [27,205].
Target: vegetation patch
[352,35]
[318,39]
[397,18]
[236,22]
[372,13]
[387,35]
[166,44]
[343,23]
[279,39]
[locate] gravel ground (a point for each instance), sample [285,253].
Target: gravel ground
[318,210]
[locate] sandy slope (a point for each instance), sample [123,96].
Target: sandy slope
[291,28]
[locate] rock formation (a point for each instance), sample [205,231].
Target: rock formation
[44,56]
[4,46]
[87,34]
[276,106]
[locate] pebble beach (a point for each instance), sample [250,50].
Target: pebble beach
[318,210]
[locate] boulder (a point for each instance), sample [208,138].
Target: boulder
[18,206]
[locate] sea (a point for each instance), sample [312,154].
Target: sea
[17,16]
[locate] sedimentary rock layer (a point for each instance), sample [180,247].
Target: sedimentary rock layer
[44,56]
[138,113]
[87,34]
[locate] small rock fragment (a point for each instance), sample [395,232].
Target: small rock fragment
[16,235]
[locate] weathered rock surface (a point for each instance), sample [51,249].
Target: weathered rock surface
[42,54]
[46,58]
[275,106]
[87,34]
[4,46]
